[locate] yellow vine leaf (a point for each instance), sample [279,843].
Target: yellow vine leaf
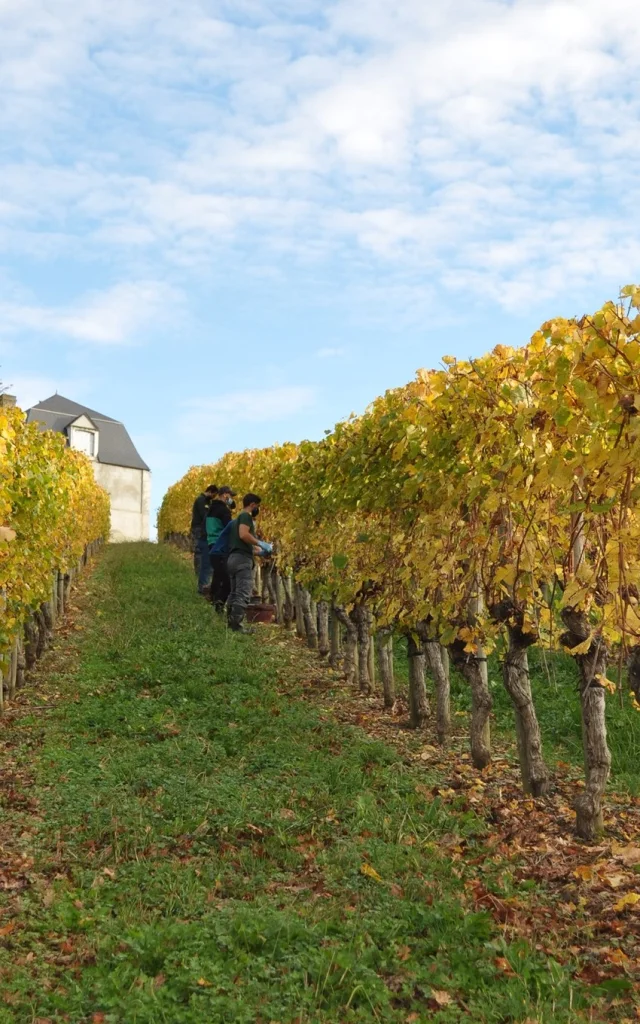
[366,869]
[580,649]
[51,508]
[607,684]
[486,488]
[631,899]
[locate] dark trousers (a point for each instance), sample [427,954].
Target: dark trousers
[220,583]
[201,559]
[240,568]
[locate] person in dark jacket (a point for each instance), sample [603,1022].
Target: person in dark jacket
[218,516]
[201,562]
[243,544]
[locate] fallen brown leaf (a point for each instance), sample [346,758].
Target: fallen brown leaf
[440,997]
[629,855]
[618,957]
[503,965]
[614,881]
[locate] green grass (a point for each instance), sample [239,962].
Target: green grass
[554,681]
[201,836]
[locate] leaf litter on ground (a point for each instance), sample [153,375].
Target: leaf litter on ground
[586,904]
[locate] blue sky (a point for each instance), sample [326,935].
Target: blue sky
[230,224]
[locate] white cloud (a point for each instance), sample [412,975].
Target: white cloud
[108,318]
[363,133]
[210,417]
[31,390]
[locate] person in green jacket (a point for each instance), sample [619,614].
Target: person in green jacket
[243,544]
[219,515]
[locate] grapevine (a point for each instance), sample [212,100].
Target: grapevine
[51,509]
[489,504]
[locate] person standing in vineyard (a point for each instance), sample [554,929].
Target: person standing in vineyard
[218,516]
[243,544]
[201,562]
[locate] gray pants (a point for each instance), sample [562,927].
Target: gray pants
[240,568]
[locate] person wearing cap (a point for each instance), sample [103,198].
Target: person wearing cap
[199,536]
[218,516]
[243,545]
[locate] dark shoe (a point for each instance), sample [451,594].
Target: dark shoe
[239,628]
[235,615]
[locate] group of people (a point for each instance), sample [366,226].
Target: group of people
[224,549]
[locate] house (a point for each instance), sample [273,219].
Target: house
[116,463]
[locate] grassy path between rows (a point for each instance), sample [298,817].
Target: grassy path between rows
[188,838]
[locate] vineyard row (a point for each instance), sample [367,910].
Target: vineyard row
[491,503]
[53,517]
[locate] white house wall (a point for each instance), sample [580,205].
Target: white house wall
[130,492]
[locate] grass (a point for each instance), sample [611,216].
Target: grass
[211,847]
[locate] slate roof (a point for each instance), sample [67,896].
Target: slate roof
[115,448]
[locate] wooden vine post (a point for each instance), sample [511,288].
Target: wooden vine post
[384,640]
[335,639]
[324,641]
[418,701]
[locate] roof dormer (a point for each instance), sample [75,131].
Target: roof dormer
[84,436]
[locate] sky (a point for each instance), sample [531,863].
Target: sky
[233,224]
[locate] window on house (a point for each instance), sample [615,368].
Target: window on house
[84,441]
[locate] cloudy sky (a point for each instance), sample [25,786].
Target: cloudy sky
[230,224]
